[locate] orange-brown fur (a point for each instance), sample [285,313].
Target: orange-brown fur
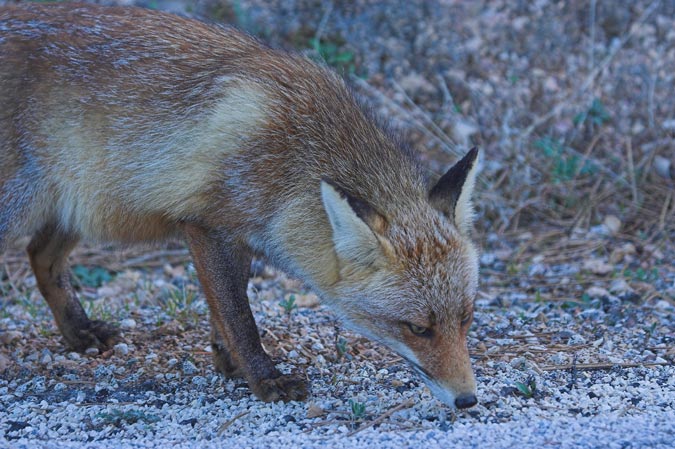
[128,125]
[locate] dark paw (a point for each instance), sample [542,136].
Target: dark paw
[96,334]
[290,387]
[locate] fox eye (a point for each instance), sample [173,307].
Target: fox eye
[466,319]
[419,330]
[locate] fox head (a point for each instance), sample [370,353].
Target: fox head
[408,277]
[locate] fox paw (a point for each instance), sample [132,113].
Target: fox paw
[98,334]
[287,387]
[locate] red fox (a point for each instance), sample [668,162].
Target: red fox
[128,125]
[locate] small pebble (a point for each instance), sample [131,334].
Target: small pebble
[596,292]
[188,368]
[8,337]
[199,381]
[121,349]
[127,323]
[576,340]
[4,362]
[619,286]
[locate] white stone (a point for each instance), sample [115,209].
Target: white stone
[121,349]
[128,323]
[596,292]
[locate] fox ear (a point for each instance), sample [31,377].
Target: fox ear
[355,224]
[452,193]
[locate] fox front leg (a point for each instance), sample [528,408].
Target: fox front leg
[223,270]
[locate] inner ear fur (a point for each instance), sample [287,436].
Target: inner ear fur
[366,212]
[452,193]
[357,227]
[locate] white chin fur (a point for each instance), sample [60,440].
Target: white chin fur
[442,394]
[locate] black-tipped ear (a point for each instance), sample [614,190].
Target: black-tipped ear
[452,193]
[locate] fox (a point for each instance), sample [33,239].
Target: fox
[122,124]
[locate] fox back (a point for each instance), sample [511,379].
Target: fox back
[123,124]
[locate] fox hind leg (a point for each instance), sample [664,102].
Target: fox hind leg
[48,252]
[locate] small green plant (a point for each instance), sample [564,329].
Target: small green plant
[584,302]
[537,297]
[99,310]
[649,332]
[564,166]
[288,305]
[32,307]
[342,348]
[528,388]
[523,317]
[117,418]
[181,304]
[512,269]
[358,409]
[93,277]
[642,275]
[595,116]
[332,54]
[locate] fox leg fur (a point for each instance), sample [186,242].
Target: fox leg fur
[223,269]
[48,252]
[222,359]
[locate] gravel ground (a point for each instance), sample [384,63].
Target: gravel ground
[611,431]
[594,370]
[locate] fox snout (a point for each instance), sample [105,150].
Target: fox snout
[457,390]
[446,370]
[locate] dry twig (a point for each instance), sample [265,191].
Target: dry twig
[382,417]
[601,366]
[227,424]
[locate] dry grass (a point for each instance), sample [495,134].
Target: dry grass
[564,159]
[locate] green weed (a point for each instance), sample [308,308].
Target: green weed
[528,388]
[332,54]
[117,418]
[358,409]
[34,308]
[596,115]
[583,303]
[642,275]
[342,348]
[181,304]
[564,166]
[288,305]
[98,310]
[93,277]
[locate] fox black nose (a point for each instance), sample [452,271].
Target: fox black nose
[466,401]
